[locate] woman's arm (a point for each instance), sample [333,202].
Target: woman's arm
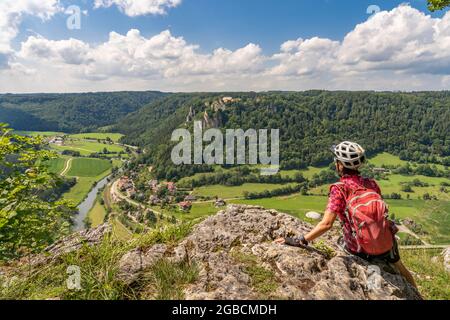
[325,225]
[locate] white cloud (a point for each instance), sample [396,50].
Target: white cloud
[12,12]
[135,8]
[402,49]
[70,51]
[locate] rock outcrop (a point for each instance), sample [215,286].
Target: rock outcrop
[446,255]
[72,243]
[238,259]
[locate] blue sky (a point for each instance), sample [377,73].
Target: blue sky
[223,45]
[222,23]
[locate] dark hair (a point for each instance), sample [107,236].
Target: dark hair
[350,172]
[347,171]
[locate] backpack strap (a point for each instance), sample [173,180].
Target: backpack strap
[341,188]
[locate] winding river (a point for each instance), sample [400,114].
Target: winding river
[87,204]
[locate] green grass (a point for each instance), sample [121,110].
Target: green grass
[263,280]
[87,147]
[100,273]
[296,205]
[80,190]
[307,173]
[394,184]
[227,192]
[39,133]
[166,280]
[434,216]
[120,231]
[102,136]
[56,165]
[386,159]
[86,167]
[97,214]
[431,277]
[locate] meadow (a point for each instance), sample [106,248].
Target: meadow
[86,147]
[229,192]
[97,214]
[87,167]
[97,136]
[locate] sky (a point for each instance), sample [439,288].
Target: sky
[222,45]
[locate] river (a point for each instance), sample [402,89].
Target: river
[87,204]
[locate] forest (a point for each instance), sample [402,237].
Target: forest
[413,126]
[70,113]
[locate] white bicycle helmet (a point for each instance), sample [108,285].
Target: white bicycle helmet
[350,154]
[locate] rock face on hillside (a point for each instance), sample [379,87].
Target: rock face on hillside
[237,259]
[72,243]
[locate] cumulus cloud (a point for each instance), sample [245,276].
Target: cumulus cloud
[135,8]
[12,12]
[401,49]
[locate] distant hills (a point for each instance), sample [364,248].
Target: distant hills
[72,113]
[413,126]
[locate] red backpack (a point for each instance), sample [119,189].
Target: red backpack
[368,216]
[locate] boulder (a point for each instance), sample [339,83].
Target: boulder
[314,215]
[238,259]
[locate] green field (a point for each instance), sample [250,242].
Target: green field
[386,159]
[39,133]
[307,173]
[87,167]
[56,165]
[295,205]
[87,147]
[395,181]
[226,192]
[97,215]
[433,215]
[102,136]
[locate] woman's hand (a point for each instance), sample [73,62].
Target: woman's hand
[280,241]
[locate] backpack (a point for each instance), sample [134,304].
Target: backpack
[367,214]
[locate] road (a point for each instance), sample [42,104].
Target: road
[67,167]
[425,247]
[115,193]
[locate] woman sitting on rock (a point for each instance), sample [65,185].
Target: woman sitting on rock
[357,201]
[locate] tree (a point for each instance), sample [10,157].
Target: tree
[435,5]
[28,222]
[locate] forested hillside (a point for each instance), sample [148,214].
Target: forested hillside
[70,112]
[411,125]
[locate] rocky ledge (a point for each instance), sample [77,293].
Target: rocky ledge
[237,259]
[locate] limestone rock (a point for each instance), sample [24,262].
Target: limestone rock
[446,254]
[236,244]
[314,215]
[72,243]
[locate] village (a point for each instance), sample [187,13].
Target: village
[143,207]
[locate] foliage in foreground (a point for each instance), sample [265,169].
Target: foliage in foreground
[99,271]
[435,5]
[28,221]
[429,271]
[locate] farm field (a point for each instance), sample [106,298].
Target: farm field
[102,136]
[39,133]
[394,184]
[227,192]
[307,173]
[97,214]
[87,167]
[57,165]
[433,215]
[86,148]
[386,159]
